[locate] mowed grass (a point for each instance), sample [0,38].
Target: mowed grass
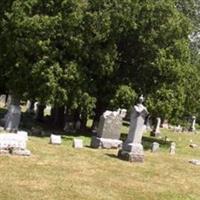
[62,172]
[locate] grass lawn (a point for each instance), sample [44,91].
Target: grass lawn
[62,173]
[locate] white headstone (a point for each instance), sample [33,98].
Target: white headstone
[55,139]
[155,147]
[172,150]
[12,140]
[77,143]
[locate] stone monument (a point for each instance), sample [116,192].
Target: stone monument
[132,149]
[109,130]
[156,130]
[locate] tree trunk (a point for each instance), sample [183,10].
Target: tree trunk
[98,112]
[58,116]
[40,112]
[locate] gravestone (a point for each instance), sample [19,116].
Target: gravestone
[155,147]
[132,149]
[109,130]
[172,149]
[12,143]
[12,118]
[55,139]
[192,126]
[156,131]
[77,143]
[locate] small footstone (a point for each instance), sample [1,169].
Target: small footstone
[55,139]
[78,143]
[155,147]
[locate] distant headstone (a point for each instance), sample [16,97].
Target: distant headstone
[14,144]
[156,131]
[55,139]
[172,150]
[77,143]
[155,147]
[12,118]
[192,126]
[109,130]
[132,149]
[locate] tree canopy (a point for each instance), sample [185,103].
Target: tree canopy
[94,55]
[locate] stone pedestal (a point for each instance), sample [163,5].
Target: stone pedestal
[135,155]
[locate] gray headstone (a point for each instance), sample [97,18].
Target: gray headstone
[12,118]
[132,149]
[109,130]
[55,139]
[110,125]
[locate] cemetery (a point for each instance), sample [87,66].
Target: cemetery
[45,165]
[99,100]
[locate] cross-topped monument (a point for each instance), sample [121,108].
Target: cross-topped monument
[132,149]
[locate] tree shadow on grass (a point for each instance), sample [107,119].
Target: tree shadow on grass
[111,155]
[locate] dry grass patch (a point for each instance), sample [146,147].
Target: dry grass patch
[61,172]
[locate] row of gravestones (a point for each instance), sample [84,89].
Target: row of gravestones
[108,133]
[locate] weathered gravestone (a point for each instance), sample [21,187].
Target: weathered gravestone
[132,149]
[55,139]
[156,130]
[109,130]
[15,144]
